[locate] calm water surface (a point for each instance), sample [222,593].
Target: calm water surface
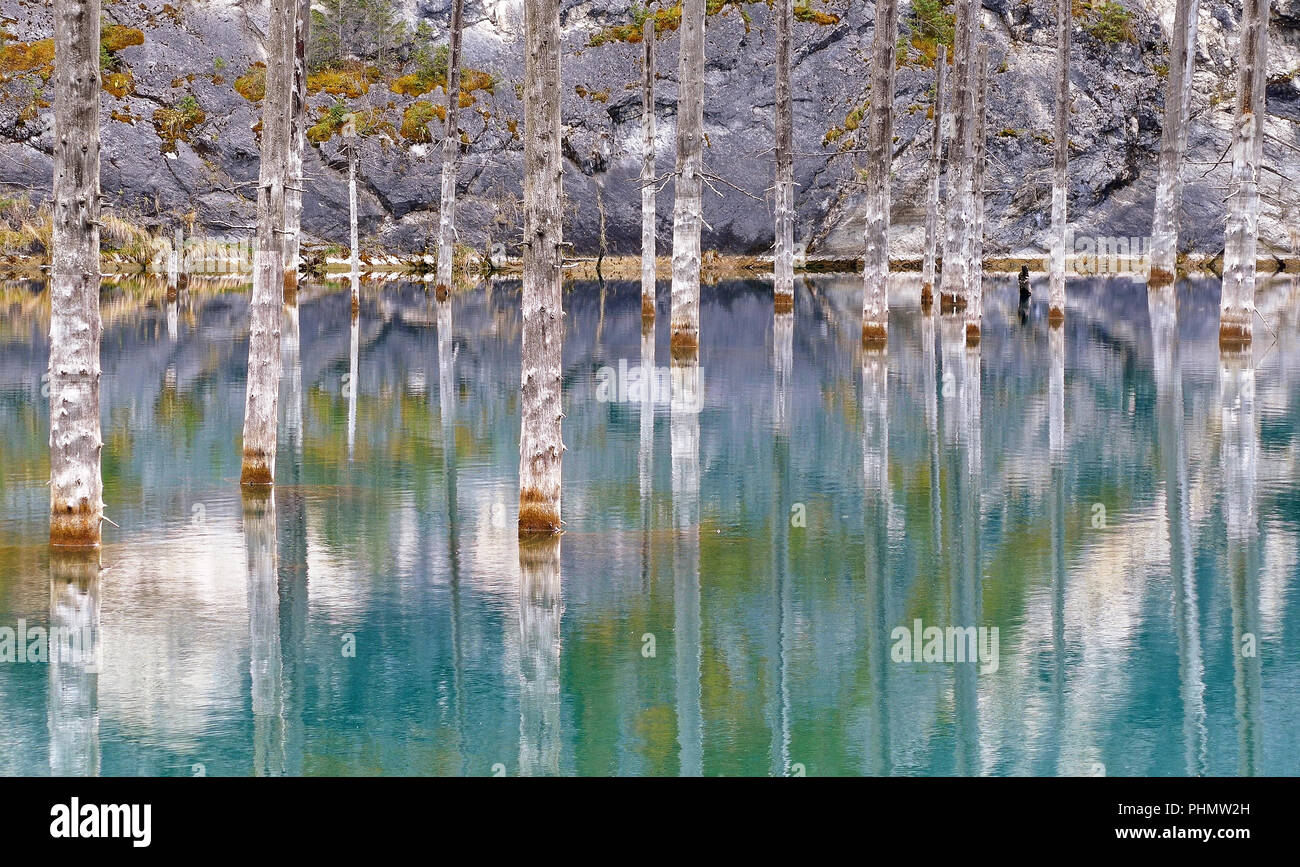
[1116,498]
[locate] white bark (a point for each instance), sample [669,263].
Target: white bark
[975,306]
[1237,305]
[648,245]
[450,151]
[297,141]
[1060,165]
[688,189]
[1173,142]
[783,210]
[76,484]
[354,149]
[934,170]
[269,272]
[955,278]
[541,445]
[880,152]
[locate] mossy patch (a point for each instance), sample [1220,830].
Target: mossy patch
[1105,21]
[175,124]
[416,119]
[21,58]
[252,84]
[806,13]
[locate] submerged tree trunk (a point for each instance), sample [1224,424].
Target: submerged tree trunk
[450,151]
[975,307]
[956,267]
[880,152]
[541,610]
[74,662]
[783,258]
[1060,165]
[648,246]
[688,188]
[1238,300]
[937,135]
[1173,143]
[297,140]
[268,269]
[76,482]
[541,446]
[265,660]
[353,148]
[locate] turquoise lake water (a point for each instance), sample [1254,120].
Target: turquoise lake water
[1117,498]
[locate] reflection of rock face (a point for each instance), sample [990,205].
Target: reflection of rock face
[1115,128]
[74,664]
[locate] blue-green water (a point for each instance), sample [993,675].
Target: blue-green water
[1118,499]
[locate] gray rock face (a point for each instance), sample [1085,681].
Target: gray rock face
[1118,96]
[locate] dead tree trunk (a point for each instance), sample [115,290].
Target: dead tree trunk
[688,188]
[975,307]
[937,134]
[268,269]
[297,140]
[450,151]
[1237,306]
[648,246]
[880,152]
[1060,165]
[541,446]
[955,277]
[1173,144]
[783,258]
[76,483]
[353,152]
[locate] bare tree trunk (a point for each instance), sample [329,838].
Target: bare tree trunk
[1237,306]
[688,188]
[1060,166]
[297,140]
[268,270]
[937,135]
[1173,144]
[955,278]
[975,308]
[880,153]
[353,147]
[541,445]
[783,259]
[450,151]
[76,483]
[648,245]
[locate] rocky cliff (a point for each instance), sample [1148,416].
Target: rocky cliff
[180,131]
